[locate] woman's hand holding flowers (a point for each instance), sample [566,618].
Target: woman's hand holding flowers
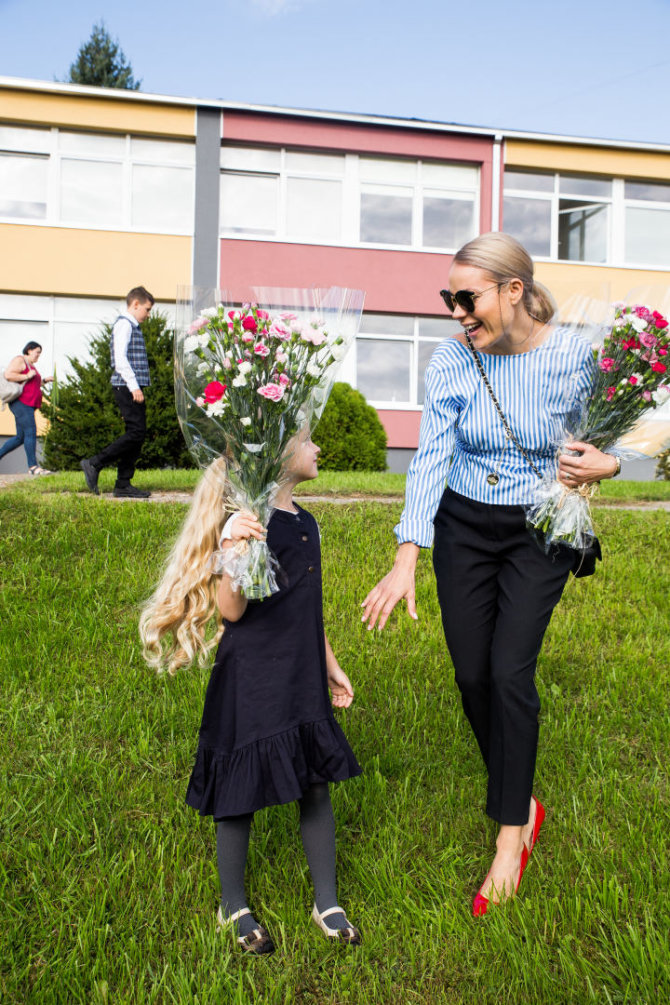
[589,465]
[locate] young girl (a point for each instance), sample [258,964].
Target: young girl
[268,733]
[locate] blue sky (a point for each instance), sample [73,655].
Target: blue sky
[580,68]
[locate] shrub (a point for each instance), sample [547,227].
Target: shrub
[83,416]
[663,466]
[350,433]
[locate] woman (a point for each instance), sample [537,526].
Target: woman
[22,370]
[497,589]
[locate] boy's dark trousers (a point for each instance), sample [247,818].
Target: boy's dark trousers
[125,451]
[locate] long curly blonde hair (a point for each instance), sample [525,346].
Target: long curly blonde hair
[174,621]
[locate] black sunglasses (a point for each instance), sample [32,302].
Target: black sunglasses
[465,298]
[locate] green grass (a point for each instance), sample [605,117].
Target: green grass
[344,483]
[108,881]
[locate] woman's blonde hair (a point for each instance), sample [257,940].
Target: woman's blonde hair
[504,258]
[184,601]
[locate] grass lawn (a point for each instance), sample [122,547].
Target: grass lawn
[345,483]
[108,881]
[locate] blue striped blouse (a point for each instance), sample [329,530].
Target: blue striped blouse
[462,435]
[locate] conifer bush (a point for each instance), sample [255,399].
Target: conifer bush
[350,433]
[83,417]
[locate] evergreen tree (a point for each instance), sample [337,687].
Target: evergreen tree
[85,418]
[101,63]
[350,433]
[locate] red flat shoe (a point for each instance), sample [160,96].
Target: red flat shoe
[480,904]
[539,820]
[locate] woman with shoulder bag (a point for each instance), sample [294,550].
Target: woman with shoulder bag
[22,370]
[497,399]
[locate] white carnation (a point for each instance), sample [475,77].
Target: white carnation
[639,324]
[191,343]
[209,312]
[240,381]
[245,422]
[216,408]
[245,367]
[313,369]
[661,395]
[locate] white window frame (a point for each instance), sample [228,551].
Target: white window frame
[50,147]
[352,188]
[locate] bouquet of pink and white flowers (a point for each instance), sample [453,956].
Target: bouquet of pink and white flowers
[247,379]
[631,377]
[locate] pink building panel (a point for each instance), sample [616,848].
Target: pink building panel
[402,282]
[402,428]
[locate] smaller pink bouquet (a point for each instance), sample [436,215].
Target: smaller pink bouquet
[632,376]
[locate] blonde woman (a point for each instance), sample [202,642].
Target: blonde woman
[497,589]
[268,734]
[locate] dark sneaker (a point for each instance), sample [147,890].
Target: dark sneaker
[91,476]
[130,492]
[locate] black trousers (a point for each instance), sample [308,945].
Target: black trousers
[125,451]
[497,590]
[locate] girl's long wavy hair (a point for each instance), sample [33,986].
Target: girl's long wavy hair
[174,621]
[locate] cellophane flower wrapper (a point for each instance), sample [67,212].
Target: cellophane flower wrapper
[251,370]
[631,378]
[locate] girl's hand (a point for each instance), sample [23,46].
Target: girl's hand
[399,583]
[244,526]
[341,691]
[590,466]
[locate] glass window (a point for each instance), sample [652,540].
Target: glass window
[386,218]
[449,175]
[91,192]
[162,150]
[314,163]
[447,223]
[314,209]
[438,328]
[92,144]
[582,231]
[162,198]
[650,191]
[392,172]
[647,236]
[249,203]
[529,181]
[387,324]
[426,350]
[250,159]
[383,370]
[25,140]
[529,220]
[23,186]
[593,188]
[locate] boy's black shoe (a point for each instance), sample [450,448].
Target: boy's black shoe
[91,475]
[130,492]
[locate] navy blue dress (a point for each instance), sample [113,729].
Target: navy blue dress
[268,731]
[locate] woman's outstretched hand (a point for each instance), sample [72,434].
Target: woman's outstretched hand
[398,584]
[590,466]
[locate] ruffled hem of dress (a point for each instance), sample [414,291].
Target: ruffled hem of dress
[273,770]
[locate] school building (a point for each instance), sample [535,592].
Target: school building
[102,190]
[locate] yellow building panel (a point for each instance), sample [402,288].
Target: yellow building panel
[566,280]
[8,426]
[587,160]
[79,111]
[91,263]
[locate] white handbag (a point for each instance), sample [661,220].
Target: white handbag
[9,389]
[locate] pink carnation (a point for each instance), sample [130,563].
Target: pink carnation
[659,367]
[234,315]
[646,395]
[249,323]
[261,350]
[313,335]
[214,392]
[200,402]
[659,320]
[273,392]
[198,324]
[648,340]
[226,362]
[662,352]
[611,391]
[281,357]
[262,314]
[287,316]
[279,330]
[283,380]
[633,380]
[606,364]
[247,337]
